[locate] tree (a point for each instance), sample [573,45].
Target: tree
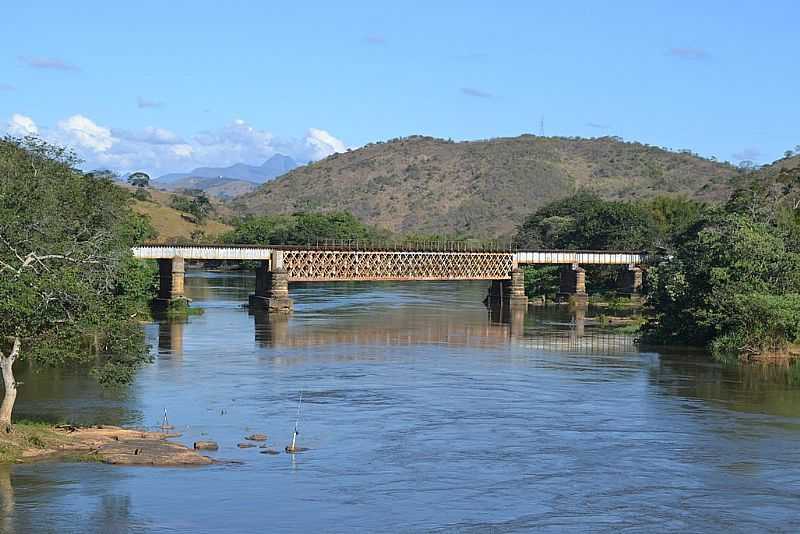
[727,269]
[139,179]
[197,204]
[585,221]
[68,282]
[300,229]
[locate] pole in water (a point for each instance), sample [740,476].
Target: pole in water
[293,447]
[165,423]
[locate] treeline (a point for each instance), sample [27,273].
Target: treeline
[585,221]
[70,289]
[328,227]
[733,283]
[730,279]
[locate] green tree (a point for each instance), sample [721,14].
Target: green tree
[585,221]
[139,179]
[300,229]
[68,282]
[197,204]
[726,267]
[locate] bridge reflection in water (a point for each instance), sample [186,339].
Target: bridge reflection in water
[541,330]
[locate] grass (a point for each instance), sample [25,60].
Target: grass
[28,435]
[170,223]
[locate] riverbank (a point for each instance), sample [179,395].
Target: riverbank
[32,441]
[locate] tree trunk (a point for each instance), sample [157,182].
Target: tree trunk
[6,365]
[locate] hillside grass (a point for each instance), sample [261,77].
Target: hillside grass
[173,225]
[483,188]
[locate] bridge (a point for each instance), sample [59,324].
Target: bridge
[277,266]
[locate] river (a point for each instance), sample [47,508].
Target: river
[422,411]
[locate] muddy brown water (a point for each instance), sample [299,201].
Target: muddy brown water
[422,411]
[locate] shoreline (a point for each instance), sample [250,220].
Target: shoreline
[32,442]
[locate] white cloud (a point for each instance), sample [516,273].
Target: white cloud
[20,126]
[183,151]
[323,144]
[156,136]
[159,151]
[82,132]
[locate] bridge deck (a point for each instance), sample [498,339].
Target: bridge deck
[326,263]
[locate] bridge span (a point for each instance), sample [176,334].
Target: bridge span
[277,266]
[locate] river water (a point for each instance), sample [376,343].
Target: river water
[423,411]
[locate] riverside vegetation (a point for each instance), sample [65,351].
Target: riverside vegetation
[730,280]
[70,290]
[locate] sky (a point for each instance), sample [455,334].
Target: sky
[169,86]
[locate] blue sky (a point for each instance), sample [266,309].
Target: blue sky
[164,86]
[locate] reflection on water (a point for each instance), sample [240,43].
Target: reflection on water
[423,410]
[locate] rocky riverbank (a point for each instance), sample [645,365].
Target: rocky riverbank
[30,442]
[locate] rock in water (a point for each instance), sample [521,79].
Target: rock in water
[245,445]
[257,437]
[149,452]
[205,446]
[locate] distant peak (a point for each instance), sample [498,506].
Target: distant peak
[279,159]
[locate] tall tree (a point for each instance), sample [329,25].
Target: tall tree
[68,282]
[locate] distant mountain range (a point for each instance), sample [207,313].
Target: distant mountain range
[230,181]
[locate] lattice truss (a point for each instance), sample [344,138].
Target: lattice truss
[309,265]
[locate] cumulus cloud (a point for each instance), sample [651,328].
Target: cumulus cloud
[693,54]
[47,63]
[143,103]
[20,126]
[152,135]
[82,132]
[477,93]
[159,150]
[322,143]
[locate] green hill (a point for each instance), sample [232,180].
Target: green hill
[482,188]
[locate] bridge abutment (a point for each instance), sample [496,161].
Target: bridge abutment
[272,286]
[171,274]
[572,286]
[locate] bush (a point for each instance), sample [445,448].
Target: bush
[759,324]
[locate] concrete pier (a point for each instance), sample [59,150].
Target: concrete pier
[630,281]
[272,286]
[171,273]
[572,287]
[517,294]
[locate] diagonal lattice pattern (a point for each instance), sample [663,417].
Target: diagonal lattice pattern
[321,265]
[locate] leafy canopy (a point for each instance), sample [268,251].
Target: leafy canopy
[68,283]
[300,229]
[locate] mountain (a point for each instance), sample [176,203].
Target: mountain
[482,188]
[274,166]
[219,187]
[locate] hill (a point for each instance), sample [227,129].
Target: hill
[173,225]
[482,188]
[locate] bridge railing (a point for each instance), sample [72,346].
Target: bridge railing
[364,245]
[406,245]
